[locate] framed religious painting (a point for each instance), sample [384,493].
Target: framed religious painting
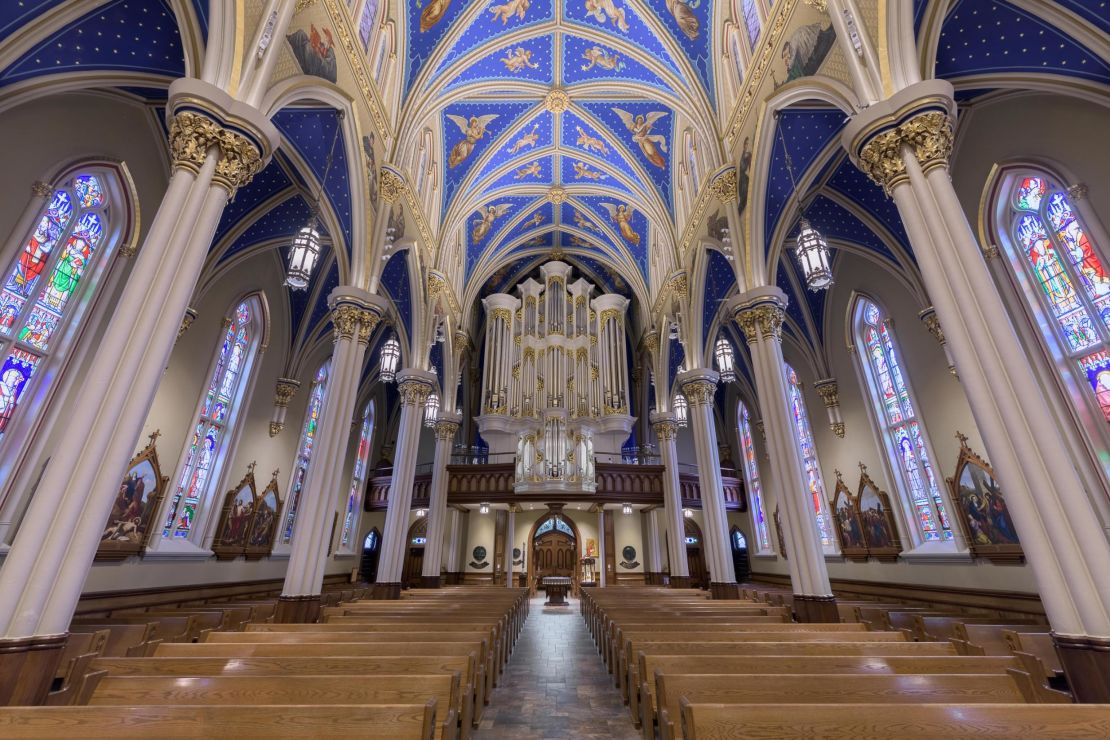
[983,514]
[880,533]
[849,527]
[136,504]
[778,533]
[235,518]
[263,525]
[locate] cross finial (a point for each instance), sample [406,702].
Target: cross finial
[863,468]
[962,437]
[839,477]
[250,468]
[155,435]
[275,473]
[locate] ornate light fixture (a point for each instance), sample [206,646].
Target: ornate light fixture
[304,251]
[681,410]
[810,249]
[725,360]
[390,359]
[626,509]
[483,508]
[421,513]
[688,513]
[431,410]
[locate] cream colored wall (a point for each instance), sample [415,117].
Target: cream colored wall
[628,530]
[480,531]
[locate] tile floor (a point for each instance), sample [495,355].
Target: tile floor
[556,685]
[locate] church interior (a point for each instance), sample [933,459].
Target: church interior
[555,368]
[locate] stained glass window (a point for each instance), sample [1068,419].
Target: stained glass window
[304,449]
[358,477]
[366,22]
[751,20]
[1056,251]
[905,438]
[207,444]
[751,478]
[39,285]
[809,456]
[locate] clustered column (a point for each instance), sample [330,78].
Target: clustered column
[510,535]
[446,428]
[603,561]
[355,313]
[415,386]
[46,568]
[699,387]
[653,548]
[760,314]
[903,143]
[666,430]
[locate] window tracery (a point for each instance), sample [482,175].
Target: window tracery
[751,479]
[358,476]
[804,434]
[304,448]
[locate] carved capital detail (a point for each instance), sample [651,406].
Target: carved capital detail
[666,430]
[446,430]
[345,319]
[932,323]
[1078,191]
[275,428]
[284,391]
[699,392]
[838,429]
[762,321]
[829,391]
[186,321]
[651,342]
[928,135]
[414,393]
[193,136]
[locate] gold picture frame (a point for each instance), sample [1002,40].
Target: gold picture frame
[847,522]
[877,519]
[235,518]
[130,523]
[263,527]
[981,508]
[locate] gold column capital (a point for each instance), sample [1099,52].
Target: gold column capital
[414,392]
[929,135]
[391,186]
[763,320]
[284,390]
[932,323]
[666,430]
[829,391]
[193,135]
[700,392]
[446,430]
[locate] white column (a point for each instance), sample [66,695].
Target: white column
[666,430]
[414,386]
[446,427]
[454,544]
[1051,507]
[510,535]
[653,545]
[49,560]
[355,313]
[699,386]
[603,565]
[759,313]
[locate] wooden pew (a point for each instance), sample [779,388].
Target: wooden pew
[130,640]
[377,722]
[707,721]
[989,639]
[818,689]
[644,710]
[935,629]
[167,628]
[285,690]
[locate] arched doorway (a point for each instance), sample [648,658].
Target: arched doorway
[555,547]
[740,561]
[371,550]
[414,554]
[695,555]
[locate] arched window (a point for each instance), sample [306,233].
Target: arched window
[1064,279]
[751,21]
[217,412]
[751,479]
[809,457]
[304,448]
[47,285]
[358,477]
[903,437]
[366,23]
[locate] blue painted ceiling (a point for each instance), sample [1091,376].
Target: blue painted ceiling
[719,281]
[395,280]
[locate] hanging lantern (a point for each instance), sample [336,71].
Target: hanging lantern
[303,254]
[431,410]
[680,410]
[390,358]
[725,360]
[812,252]
[483,508]
[626,508]
[688,513]
[421,513]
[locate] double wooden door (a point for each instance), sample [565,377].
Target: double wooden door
[554,554]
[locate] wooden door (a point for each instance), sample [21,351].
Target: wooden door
[698,577]
[414,566]
[554,554]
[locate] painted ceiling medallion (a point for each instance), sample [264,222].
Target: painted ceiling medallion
[557,195]
[557,101]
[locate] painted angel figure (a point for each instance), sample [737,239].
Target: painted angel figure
[590,143]
[654,146]
[474,130]
[532,170]
[483,225]
[507,9]
[433,13]
[622,214]
[685,18]
[598,57]
[517,59]
[602,10]
[582,170]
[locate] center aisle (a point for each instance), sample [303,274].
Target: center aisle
[555,684]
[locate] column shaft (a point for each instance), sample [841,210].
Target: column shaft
[603,568]
[510,535]
[446,428]
[667,430]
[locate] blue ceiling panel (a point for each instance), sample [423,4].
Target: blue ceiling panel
[625,23]
[852,183]
[15,14]
[581,136]
[1095,12]
[529,137]
[675,356]
[990,36]
[280,222]
[201,9]
[604,277]
[462,150]
[537,170]
[531,60]
[492,23]
[435,358]
[265,185]
[584,170]
[807,132]
[508,275]
[836,222]
[574,217]
[634,238]
[395,279]
[427,24]
[814,299]
[125,35]
[585,60]
[690,23]
[536,216]
[330,282]
[794,303]
[719,280]
[658,164]
[505,211]
[310,131]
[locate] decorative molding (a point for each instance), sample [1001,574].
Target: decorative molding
[758,68]
[187,321]
[838,429]
[678,286]
[821,6]
[41,189]
[275,428]
[1078,191]
[557,195]
[439,286]
[346,318]
[932,323]
[725,185]
[829,392]
[359,63]
[557,101]
[446,430]
[390,185]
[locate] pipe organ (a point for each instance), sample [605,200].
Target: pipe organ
[555,383]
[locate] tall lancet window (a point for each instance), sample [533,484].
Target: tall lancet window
[304,448]
[903,437]
[804,434]
[210,444]
[751,479]
[358,478]
[46,288]
[1065,280]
